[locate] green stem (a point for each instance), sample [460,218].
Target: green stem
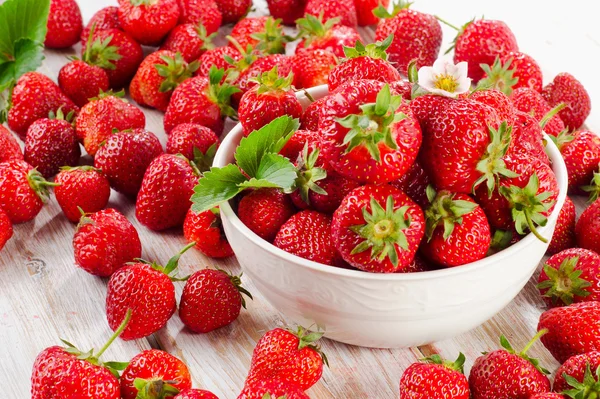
[447,23]
[533,341]
[116,333]
[533,229]
[551,114]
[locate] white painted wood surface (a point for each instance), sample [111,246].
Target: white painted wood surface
[43,296]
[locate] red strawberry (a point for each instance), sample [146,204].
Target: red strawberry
[195,142]
[164,198]
[547,395]
[101,116]
[418,265]
[378,153]
[416,36]
[581,153]
[217,57]
[264,34]
[504,373]
[312,67]
[248,76]
[200,11]
[264,211]
[531,102]
[195,394]
[65,24]
[362,62]
[84,188]
[206,230]
[403,88]
[564,232]
[6,229]
[272,389]
[435,378]
[497,100]
[124,158]
[104,242]
[568,90]
[578,370]
[211,299]
[287,10]
[234,10]
[148,22]
[299,139]
[327,35]
[310,118]
[33,98]
[527,138]
[345,10]
[9,147]
[414,183]
[103,19]
[147,290]
[457,229]
[154,374]
[158,76]
[513,70]
[52,143]
[190,40]
[82,81]
[588,227]
[23,190]
[292,357]
[378,229]
[365,11]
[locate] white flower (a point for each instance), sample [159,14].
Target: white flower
[445,78]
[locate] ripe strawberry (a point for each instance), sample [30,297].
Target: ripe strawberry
[416,36]
[292,357]
[503,373]
[403,88]
[23,190]
[101,116]
[205,12]
[272,98]
[317,33]
[104,242]
[195,142]
[84,188]
[581,153]
[414,183]
[158,76]
[9,147]
[52,143]
[457,229]
[65,24]
[82,81]
[103,19]
[33,98]
[264,34]
[154,374]
[377,239]
[578,370]
[6,229]
[148,22]
[531,102]
[264,211]
[190,40]
[164,197]
[547,395]
[124,158]
[372,137]
[365,11]
[206,230]
[345,10]
[116,52]
[234,10]
[527,138]
[272,389]
[435,378]
[147,290]
[564,232]
[195,394]
[568,90]
[248,77]
[511,71]
[588,227]
[217,57]
[312,67]
[362,62]
[299,139]
[289,11]
[497,100]
[310,118]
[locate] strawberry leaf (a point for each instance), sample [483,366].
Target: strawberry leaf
[218,185]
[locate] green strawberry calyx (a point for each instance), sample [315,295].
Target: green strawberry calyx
[248,57]
[382,12]
[445,211]
[100,53]
[309,174]
[236,280]
[589,388]
[170,269]
[372,50]
[499,76]
[373,126]
[104,94]
[268,396]
[593,188]
[271,40]
[207,40]
[457,365]
[564,282]
[204,160]
[174,71]
[40,185]
[220,93]
[523,354]
[562,139]
[459,30]
[271,82]
[60,115]
[155,388]
[312,27]
[309,339]
[383,231]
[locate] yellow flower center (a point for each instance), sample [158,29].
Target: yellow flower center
[446,82]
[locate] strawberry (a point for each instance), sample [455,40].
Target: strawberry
[102,115]
[435,378]
[345,10]
[248,77]
[52,143]
[164,197]
[148,21]
[205,12]
[299,139]
[547,395]
[531,102]
[65,24]
[504,373]
[103,19]
[371,136]
[217,57]
[289,11]
[124,158]
[206,230]
[116,52]
[362,62]
[23,190]
[327,35]
[154,374]
[292,357]
[588,226]
[564,232]
[6,229]
[211,299]
[9,147]
[417,36]
[264,211]
[312,67]
[272,389]
[195,142]
[264,34]
[202,101]
[234,10]
[512,70]
[190,40]
[34,97]
[418,265]
[497,100]
[147,290]
[573,329]
[104,242]
[84,188]
[457,229]
[579,370]
[272,98]
[365,11]
[195,394]
[158,76]
[527,138]
[81,81]
[403,88]
[568,90]
[414,183]
[581,153]
[310,118]
[377,228]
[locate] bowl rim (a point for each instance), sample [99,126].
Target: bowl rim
[229,145]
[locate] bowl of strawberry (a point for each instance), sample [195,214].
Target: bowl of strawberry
[390,213]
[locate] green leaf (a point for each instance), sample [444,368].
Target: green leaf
[278,170]
[27,57]
[217,186]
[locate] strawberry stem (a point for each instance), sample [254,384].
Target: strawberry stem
[447,23]
[532,228]
[533,341]
[118,332]
[551,114]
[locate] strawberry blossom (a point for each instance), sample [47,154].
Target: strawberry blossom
[444,78]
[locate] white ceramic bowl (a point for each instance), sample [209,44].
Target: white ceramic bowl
[385,310]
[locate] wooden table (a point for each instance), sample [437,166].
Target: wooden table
[44,297]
